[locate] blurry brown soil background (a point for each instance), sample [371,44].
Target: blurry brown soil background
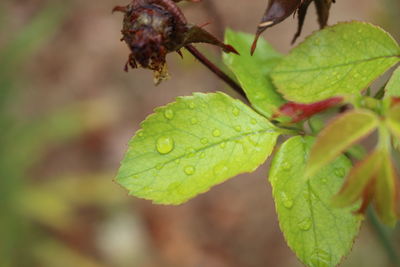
[67,112]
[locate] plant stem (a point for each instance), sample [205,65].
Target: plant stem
[216,70]
[384,237]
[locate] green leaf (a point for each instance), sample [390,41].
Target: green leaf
[338,136]
[193,144]
[338,60]
[253,71]
[393,121]
[393,86]
[317,232]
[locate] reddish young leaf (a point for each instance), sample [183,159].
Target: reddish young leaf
[298,112]
[393,121]
[386,198]
[359,181]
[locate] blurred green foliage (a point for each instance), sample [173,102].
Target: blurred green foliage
[28,209]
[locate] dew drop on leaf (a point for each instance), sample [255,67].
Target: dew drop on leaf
[216,133]
[220,169]
[140,134]
[202,155]
[169,114]
[321,258]
[340,172]
[190,152]
[222,145]
[286,166]
[159,166]
[287,201]
[252,140]
[204,141]
[238,128]
[253,121]
[236,111]
[193,121]
[165,145]
[189,170]
[305,225]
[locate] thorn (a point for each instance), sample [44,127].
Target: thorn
[122,9]
[205,24]
[254,45]
[180,53]
[230,49]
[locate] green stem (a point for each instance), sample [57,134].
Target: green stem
[383,235]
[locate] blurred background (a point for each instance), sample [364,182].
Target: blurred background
[67,111]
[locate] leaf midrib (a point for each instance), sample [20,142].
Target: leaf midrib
[337,65]
[232,139]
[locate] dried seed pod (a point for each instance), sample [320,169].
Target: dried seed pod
[154,28]
[279,10]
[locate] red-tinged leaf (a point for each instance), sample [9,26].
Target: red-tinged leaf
[359,183]
[395,100]
[298,112]
[386,199]
[338,136]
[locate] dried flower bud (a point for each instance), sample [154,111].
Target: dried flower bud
[154,28]
[279,10]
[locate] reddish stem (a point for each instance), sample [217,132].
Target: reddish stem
[217,71]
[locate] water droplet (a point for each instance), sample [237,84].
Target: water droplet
[165,144]
[169,114]
[236,111]
[135,177]
[321,258]
[204,141]
[305,224]
[193,121]
[222,145]
[189,170]
[190,152]
[159,166]
[192,105]
[202,155]
[253,121]
[140,134]
[340,172]
[286,166]
[216,133]
[238,128]
[287,201]
[177,161]
[220,169]
[252,140]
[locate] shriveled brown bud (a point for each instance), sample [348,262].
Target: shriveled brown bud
[279,10]
[154,28]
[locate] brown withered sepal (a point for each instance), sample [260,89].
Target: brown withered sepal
[279,10]
[154,28]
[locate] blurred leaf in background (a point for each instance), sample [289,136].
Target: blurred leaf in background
[35,213]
